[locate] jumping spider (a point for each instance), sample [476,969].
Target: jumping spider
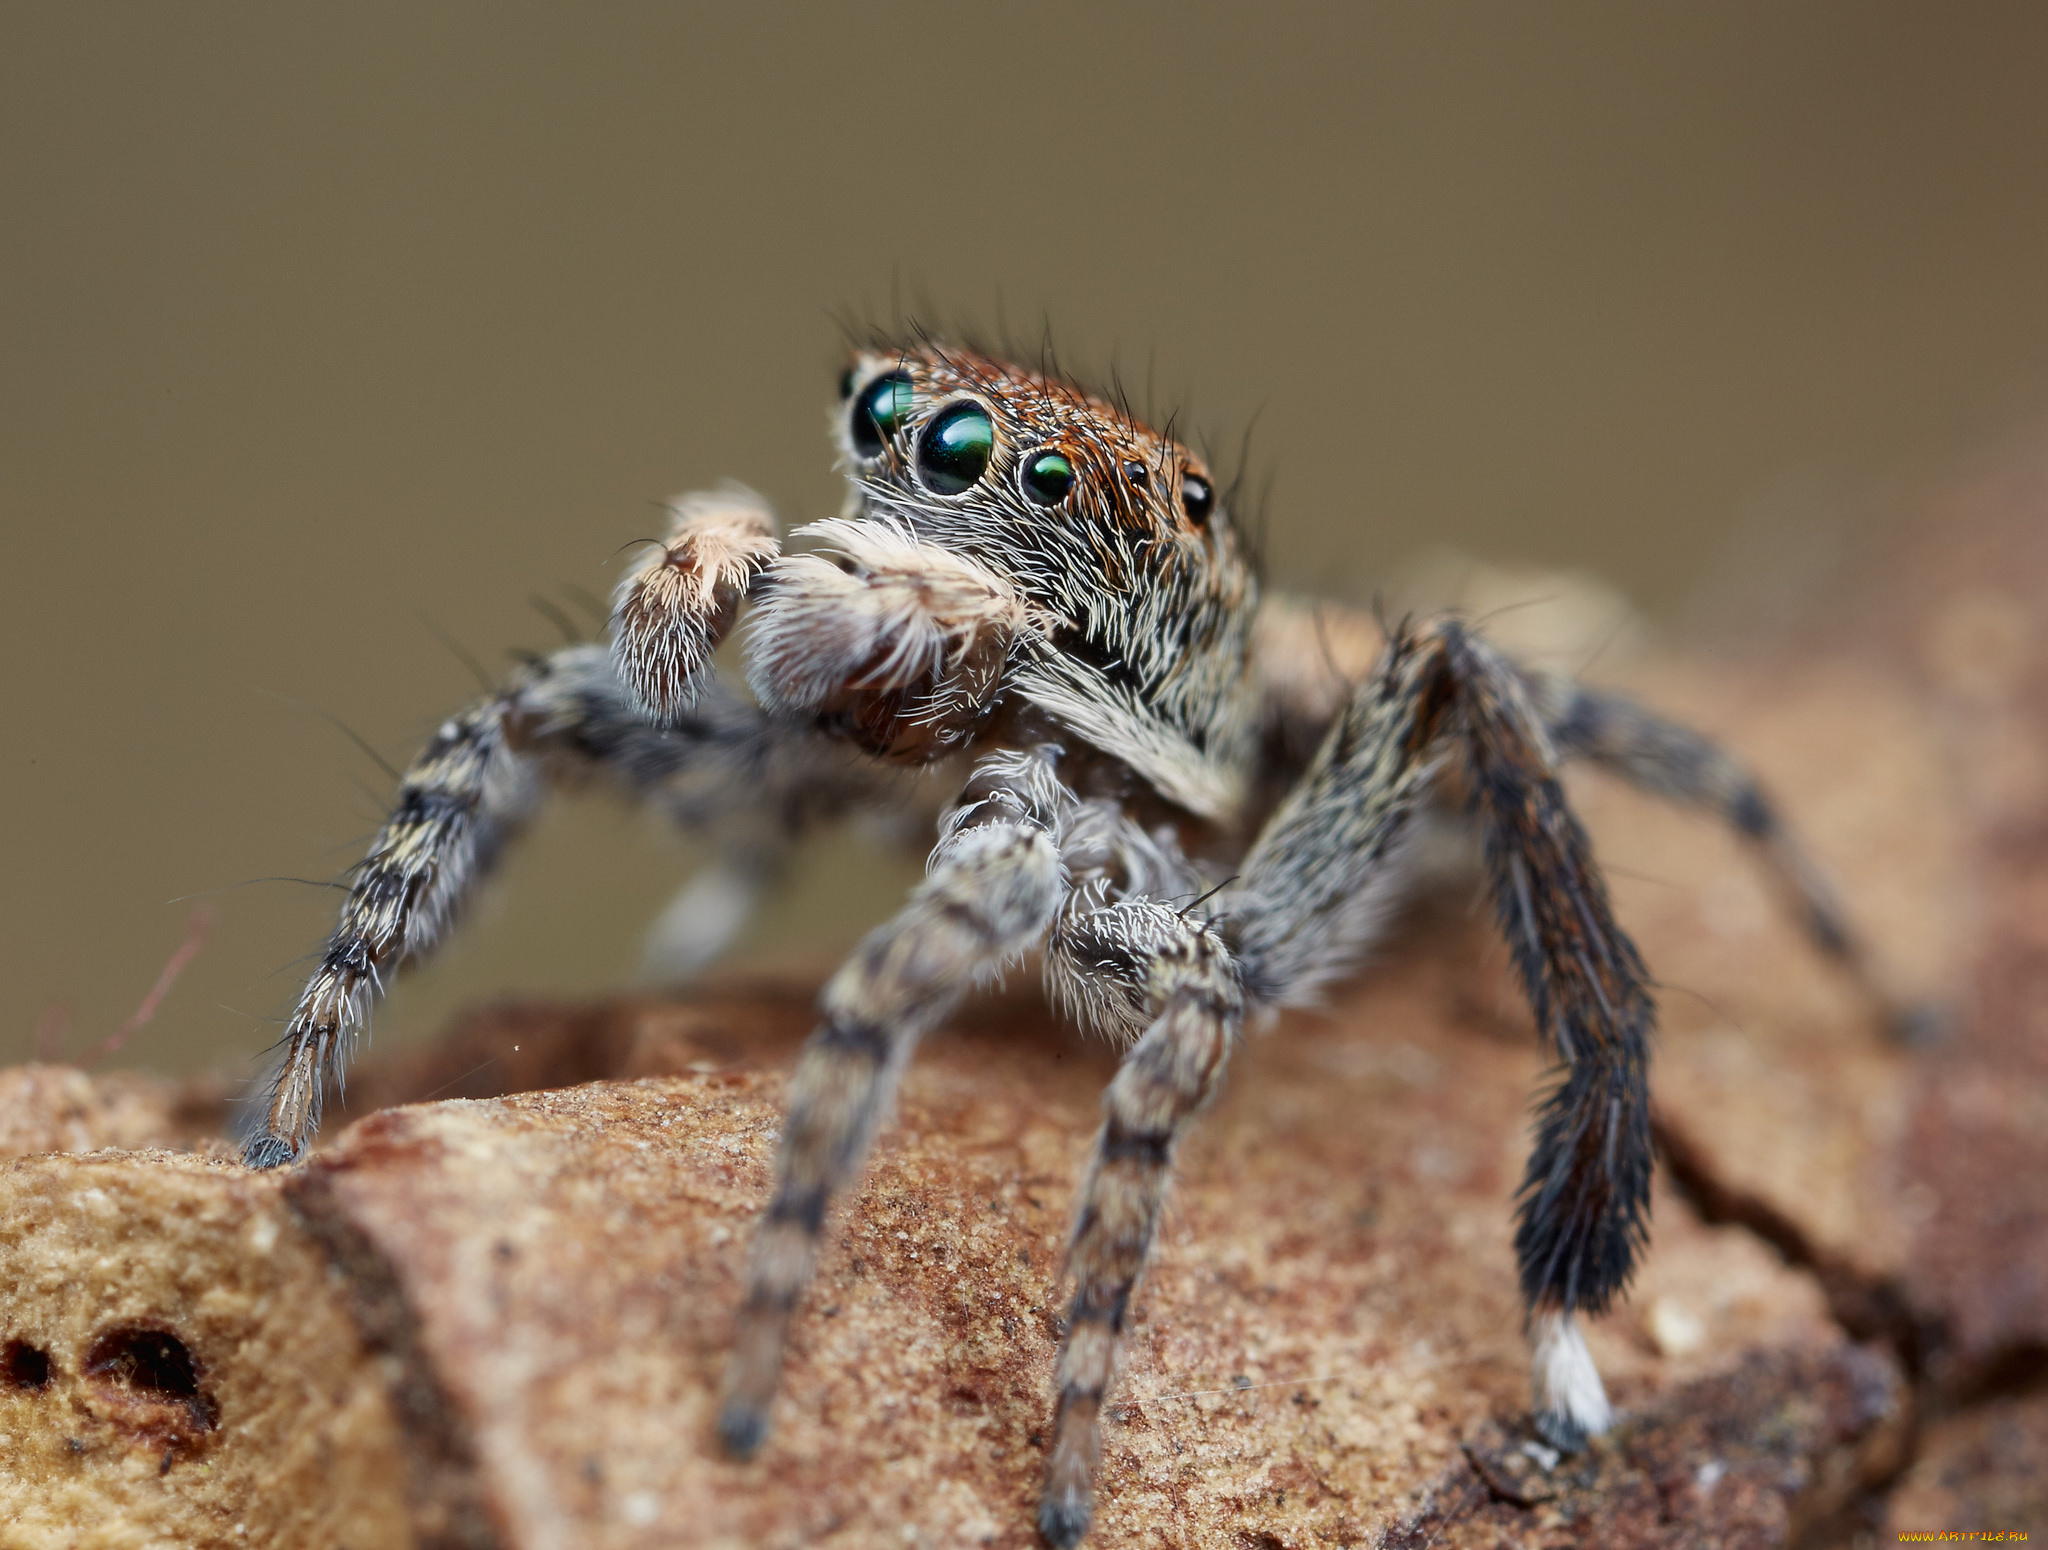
[1192,801]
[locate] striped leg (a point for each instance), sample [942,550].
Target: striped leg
[1305,908]
[994,884]
[1680,765]
[1182,969]
[468,792]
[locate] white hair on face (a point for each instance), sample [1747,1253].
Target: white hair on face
[1571,1404]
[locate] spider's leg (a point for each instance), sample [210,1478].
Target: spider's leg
[468,792]
[1441,692]
[1176,968]
[993,885]
[1680,765]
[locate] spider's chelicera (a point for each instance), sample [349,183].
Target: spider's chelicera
[1032,590]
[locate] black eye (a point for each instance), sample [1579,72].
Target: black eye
[846,383]
[1197,498]
[1048,475]
[1135,472]
[878,411]
[954,451]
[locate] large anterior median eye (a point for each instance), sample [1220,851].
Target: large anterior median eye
[1048,475]
[954,451]
[878,411]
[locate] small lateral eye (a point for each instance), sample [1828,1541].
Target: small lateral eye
[846,384]
[1136,473]
[879,411]
[1197,498]
[954,450]
[1048,475]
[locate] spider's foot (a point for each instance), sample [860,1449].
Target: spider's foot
[1917,1024]
[267,1150]
[742,1428]
[1571,1404]
[1063,1518]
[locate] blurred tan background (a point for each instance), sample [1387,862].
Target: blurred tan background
[326,328]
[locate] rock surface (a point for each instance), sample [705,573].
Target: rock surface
[534,1292]
[498,1318]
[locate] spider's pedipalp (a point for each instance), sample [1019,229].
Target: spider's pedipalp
[994,883]
[899,645]
[671,610]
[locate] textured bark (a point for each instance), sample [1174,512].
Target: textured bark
[499,1318]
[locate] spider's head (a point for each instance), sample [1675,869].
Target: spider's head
[1009,534]
[1108,526]
[1088,559]
[1005,461]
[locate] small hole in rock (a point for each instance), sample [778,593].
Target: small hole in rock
[26,1366]
[155,1363]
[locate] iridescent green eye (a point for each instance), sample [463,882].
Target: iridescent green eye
[954,451]
[1197,498]
[1048,475]
[879,411]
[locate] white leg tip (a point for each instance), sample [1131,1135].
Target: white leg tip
[1571,1404]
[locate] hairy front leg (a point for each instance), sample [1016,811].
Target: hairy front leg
[994,884]
[1174,969]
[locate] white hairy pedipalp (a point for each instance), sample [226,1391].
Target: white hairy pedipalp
[890,614]
[670,612]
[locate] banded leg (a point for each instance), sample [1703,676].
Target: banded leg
[468,793]
[1180,970]
[993,886]
[1441,692]
[1307,656]
[1680,765]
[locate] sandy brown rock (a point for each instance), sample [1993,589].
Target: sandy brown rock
[1984,1470]
[58,1108]
[1759,1456]
[177,1369]
[540,1288]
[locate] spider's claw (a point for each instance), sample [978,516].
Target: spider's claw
[742,1428]
[267,1150]
[1917,1024]
[1560,1431]
[1063,1519]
